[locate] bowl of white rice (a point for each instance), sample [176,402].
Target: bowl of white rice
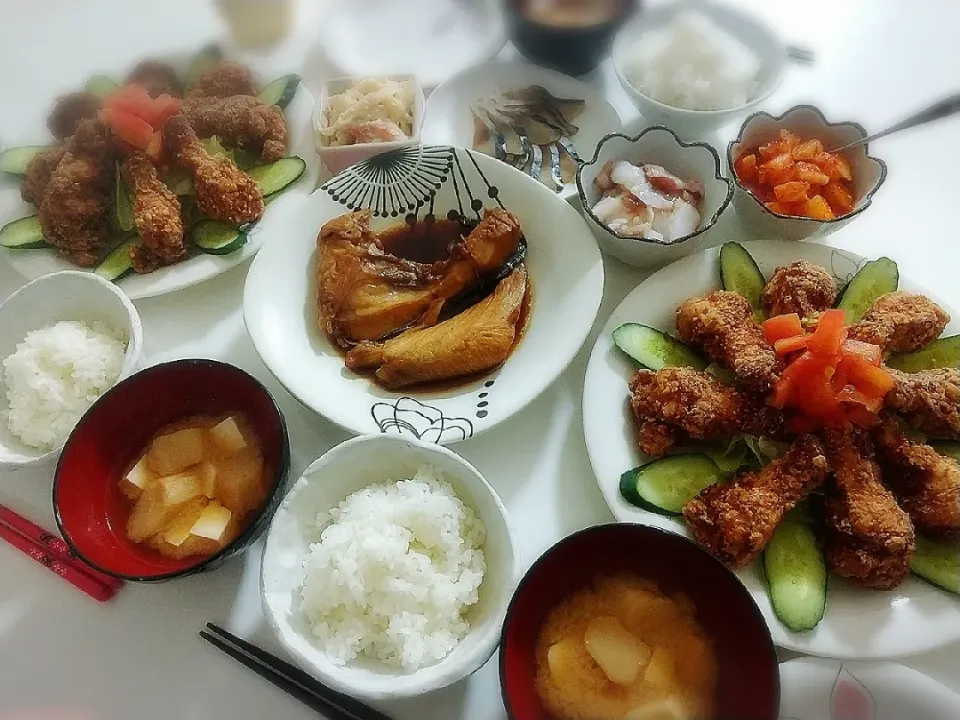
[388,568]
[65,339]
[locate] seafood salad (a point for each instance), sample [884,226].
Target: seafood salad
[530,128]
[647,201]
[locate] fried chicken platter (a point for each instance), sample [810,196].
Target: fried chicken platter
[802,422]
[158,168]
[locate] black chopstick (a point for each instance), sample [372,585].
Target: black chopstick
[292,680]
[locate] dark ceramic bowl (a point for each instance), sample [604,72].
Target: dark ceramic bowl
[748,686]
[90,511]
[574,50]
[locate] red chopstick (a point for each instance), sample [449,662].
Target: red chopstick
[53,553]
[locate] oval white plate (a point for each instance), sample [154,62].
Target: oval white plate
[563,262]
[447,119]
[815,689]
[36,263]
[432,39]
[859,623]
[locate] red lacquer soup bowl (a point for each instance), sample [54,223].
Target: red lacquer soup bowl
[90,510]
[748,686]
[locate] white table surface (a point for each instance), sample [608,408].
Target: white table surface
[63,656]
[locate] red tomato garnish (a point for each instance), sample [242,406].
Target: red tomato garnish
[781,327]
[164,107]
[851,395]
[868,378]
[862,417]
[131,129]
[791,344]
[782,393]
[869,352]
[830,333]
[132,99]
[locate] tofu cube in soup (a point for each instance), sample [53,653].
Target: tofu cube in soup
[135,481]
[179,529]
[180,488]
[176,451]
[150,514]
[212,522]
[240,482]
[227,437]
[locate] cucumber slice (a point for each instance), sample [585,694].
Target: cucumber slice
[14,161]
[942,353]
[277,176]
[938,563]
[950,448]
[796,575]
[203,59]
[874,279]
[281,91]
[101,85]
[216,238]
[23,234]
[740,273]
[117,263]
[654,349]
[123,205]
[664,486]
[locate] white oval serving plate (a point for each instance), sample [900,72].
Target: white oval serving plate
[563,263]
[859,623]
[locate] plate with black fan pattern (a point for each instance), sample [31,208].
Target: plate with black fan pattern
[409,185]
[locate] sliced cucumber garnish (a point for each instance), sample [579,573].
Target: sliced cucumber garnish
[203,59]
[14,161]
[216,238]
[740,273]
[281,91]
[23,234]
[666,485]
[942,353]
[937,563]
[796,575]
[101,86]
[123,205]
[277,176]
[874,279]
[654,349]
[118,262]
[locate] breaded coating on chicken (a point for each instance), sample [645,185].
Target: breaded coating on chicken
[869,539]
[156,78]
[928,400]
[69,110]
[698,404]
[900,322]
[222,80]
[223,191]
[240,121]
[73,211]
[655,438]
[723,324]
[735,520]
[156,213]
[800,287]
[39,171]
[926,484]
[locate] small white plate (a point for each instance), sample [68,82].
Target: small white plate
[432,39]
[448,120]
[563,264]
[859,623]
[36,263]
[815,689]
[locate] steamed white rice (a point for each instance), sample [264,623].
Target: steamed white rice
[55,375]
[396,567]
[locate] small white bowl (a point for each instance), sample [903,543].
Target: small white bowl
[756,35]
[349,467]
[688,161]
[67,295]
[339,158]
[809,123]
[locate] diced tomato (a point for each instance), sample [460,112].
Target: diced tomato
[862,417]
[131,129]
[791,344]
[132,99]
[868,351]
[164,107]
[852,395]
[868,378]
[782,393]
[831,331]
[818,399]
[782,326]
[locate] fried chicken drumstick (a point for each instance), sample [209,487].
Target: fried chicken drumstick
[696,404]
[156,214]
[223,191]
[926,483]
[929,401]
[722,323]
[734,521]
[900,322]
[800,287]
[869,539]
